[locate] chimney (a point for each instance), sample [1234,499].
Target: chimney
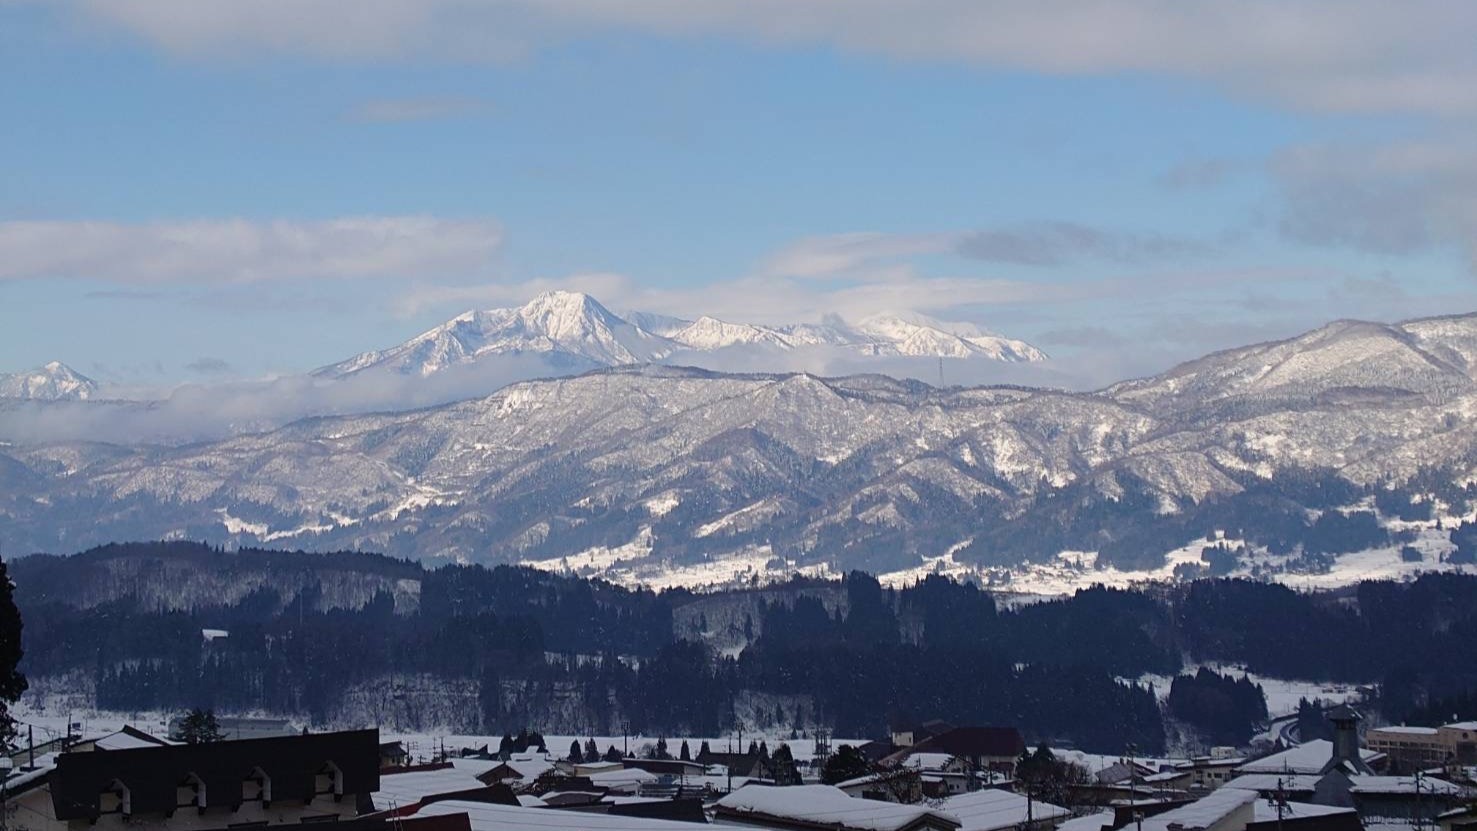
[1345,720]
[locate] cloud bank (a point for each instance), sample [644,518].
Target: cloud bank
[245,251]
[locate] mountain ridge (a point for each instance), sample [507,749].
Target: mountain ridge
[577,330]
[651,472]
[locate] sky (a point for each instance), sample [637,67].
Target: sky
[220,192]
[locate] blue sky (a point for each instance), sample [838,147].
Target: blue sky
[196,191]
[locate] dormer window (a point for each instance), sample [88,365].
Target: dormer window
[116,799]
[330,781]
[190,793]
[257,787]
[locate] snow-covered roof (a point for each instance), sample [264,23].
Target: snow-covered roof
[488,817]
[1091,822]
[928,761]
[1202,813]
[398,790]
[828,805]
[1401,784]
[1267,812]
[1271,781]
[1463,725]
[991,809]
[127,739]
[624,779]
[1414,731]
[1309,757]
[528,800]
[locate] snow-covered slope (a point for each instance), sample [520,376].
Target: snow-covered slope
[565,325]
[53,382]
[577,333]
[671,475]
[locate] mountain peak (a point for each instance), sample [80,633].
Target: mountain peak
[52,381]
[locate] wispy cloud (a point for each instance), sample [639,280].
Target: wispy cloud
[206,365]
[394,110]
[1060,243]
[1329,55]
[243,251]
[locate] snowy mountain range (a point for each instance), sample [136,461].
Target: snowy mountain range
[53,382]
[575,332]
[667,475]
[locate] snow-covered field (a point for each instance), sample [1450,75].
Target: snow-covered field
[1282,693]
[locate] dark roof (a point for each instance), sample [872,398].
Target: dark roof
[1343,712]
[680,810]
[152,774]
[675,767]
[970,742]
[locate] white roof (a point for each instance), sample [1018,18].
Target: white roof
[828,805]
[1091,822]
[1309,757]
[992,809]
[1269,781]
[1401,784]
[398,790]
[1414,731]
[1202,813]
[488,817]
[126,741]
[629,778]
[528,800]
[1267,812]
[1463,725]
[928,761]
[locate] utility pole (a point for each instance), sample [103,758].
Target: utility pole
[1133,788]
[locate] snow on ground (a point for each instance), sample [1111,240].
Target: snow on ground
[1282,693]
[599,559]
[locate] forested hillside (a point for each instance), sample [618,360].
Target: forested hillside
[346,637]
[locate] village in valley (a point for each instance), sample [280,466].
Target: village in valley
[200,771]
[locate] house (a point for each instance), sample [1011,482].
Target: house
[483,816]
[1271,815]
[270,781]
[905,734]
[1389,799]
[402,791]
[1307,758]
[996,810]
[1277,785]
[393,755]
[1208,773]
[748,765]
[816,807]
[1225,809]
[979,748]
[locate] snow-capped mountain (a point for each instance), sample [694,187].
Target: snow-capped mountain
[567,326]
[665,474]
[577,333]
[53,382]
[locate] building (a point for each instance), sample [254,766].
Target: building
[273,781]
[483,816]
[978,748]
[1307,758]
[1226,809]
[1418,748]
[997,810]
[815,807]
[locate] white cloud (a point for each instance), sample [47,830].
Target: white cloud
[238,250]
[1333,55]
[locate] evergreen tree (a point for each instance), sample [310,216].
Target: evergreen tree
[684,754]
[575,754]
[612,755]
[199,727]
[846,763]
[591,751]
[703,752]
[12,682]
